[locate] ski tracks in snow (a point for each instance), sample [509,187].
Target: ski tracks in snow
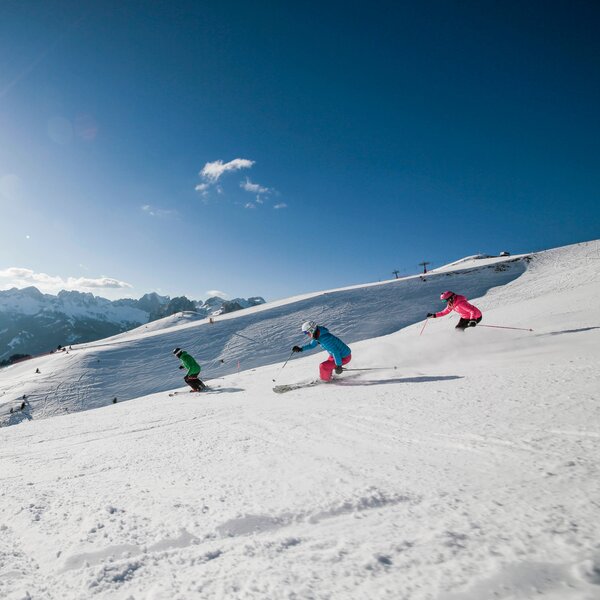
[460,480]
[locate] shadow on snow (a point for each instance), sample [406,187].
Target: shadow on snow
[570,331]
[423,379]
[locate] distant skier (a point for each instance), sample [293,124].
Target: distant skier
[339,353]
[469,315]
[193,370]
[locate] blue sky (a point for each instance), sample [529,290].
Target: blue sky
[273,149]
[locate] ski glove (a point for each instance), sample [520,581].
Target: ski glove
[338,370]
[432,315]
[181,367]
[472,324]
[296,349]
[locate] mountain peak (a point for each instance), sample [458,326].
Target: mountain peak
[32,322]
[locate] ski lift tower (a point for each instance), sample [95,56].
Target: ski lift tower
[424,265]
[396,273]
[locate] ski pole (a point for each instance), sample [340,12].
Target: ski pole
[423,328]
[502,327]
[214,362]
[246,338]
[285,363]
[373,369]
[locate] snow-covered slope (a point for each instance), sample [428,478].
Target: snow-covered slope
[469,472]
[140,362]
[469,262]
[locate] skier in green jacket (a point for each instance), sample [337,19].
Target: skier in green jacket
[193,370]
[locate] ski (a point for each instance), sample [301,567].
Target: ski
[281,389]
[205,390]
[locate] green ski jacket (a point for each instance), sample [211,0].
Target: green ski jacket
[189,363]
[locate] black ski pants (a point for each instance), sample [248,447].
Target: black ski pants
[462,324]
[194,382]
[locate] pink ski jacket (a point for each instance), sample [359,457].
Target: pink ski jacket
[462,307]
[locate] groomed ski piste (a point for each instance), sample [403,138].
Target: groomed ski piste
[465,468]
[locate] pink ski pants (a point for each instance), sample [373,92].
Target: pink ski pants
[326,367]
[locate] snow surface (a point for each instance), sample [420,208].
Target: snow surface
[469,471]
[477,260]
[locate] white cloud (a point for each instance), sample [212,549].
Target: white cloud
[280,205]
[158,212]
[202,188]
[212,171]
[100,282]
[20,277]
[211,293]
[254,188]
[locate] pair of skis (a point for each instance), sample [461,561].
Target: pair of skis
[206,390]
[282,389]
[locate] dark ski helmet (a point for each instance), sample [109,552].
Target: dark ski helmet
[178,352]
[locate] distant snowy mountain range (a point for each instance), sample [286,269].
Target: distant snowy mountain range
[32,322]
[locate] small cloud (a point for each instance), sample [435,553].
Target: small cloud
[100,282]
[20,277]
[254,188]
[220,294]
[280,205]
[202,188]
[158,212]
[212,171]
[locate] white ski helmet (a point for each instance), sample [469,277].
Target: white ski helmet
[309,327]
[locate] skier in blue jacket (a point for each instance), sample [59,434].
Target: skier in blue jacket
[339,353]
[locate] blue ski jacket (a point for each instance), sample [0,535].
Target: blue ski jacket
[332,344]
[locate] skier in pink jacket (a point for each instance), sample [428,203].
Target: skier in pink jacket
[469,315]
